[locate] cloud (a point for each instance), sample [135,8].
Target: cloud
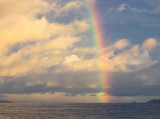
[149,44]
[153,7]
[30,44]
[84,51]
[122,56]
[73,83]
[60,10]
[144,82]
[73,72]
[74,63]
[71,5]
[121,44]
[41,45]
[122,7]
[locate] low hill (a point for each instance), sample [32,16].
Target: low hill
[154,101]
[5,101]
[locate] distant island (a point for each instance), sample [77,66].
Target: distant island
[5,101]
[154,101]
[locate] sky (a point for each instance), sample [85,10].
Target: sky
[48,55]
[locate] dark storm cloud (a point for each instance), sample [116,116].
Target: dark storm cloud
[13,88]
[77,80]
[141,83]
[145,82]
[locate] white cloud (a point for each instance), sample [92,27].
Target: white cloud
[129,58]
[149,44]
[40,44]
[120,56]
[121,44]
[75,63]
[122,7]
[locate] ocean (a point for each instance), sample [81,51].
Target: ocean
[79,111]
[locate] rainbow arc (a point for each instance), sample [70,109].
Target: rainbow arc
[99,42]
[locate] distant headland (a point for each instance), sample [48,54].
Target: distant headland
[5,101]
[154,101]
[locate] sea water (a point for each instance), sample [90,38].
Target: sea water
[79,111]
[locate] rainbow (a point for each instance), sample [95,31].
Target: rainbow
[98,38]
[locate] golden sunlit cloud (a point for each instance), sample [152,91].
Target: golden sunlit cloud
[44,42]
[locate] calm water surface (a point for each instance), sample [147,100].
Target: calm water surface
[79,111]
